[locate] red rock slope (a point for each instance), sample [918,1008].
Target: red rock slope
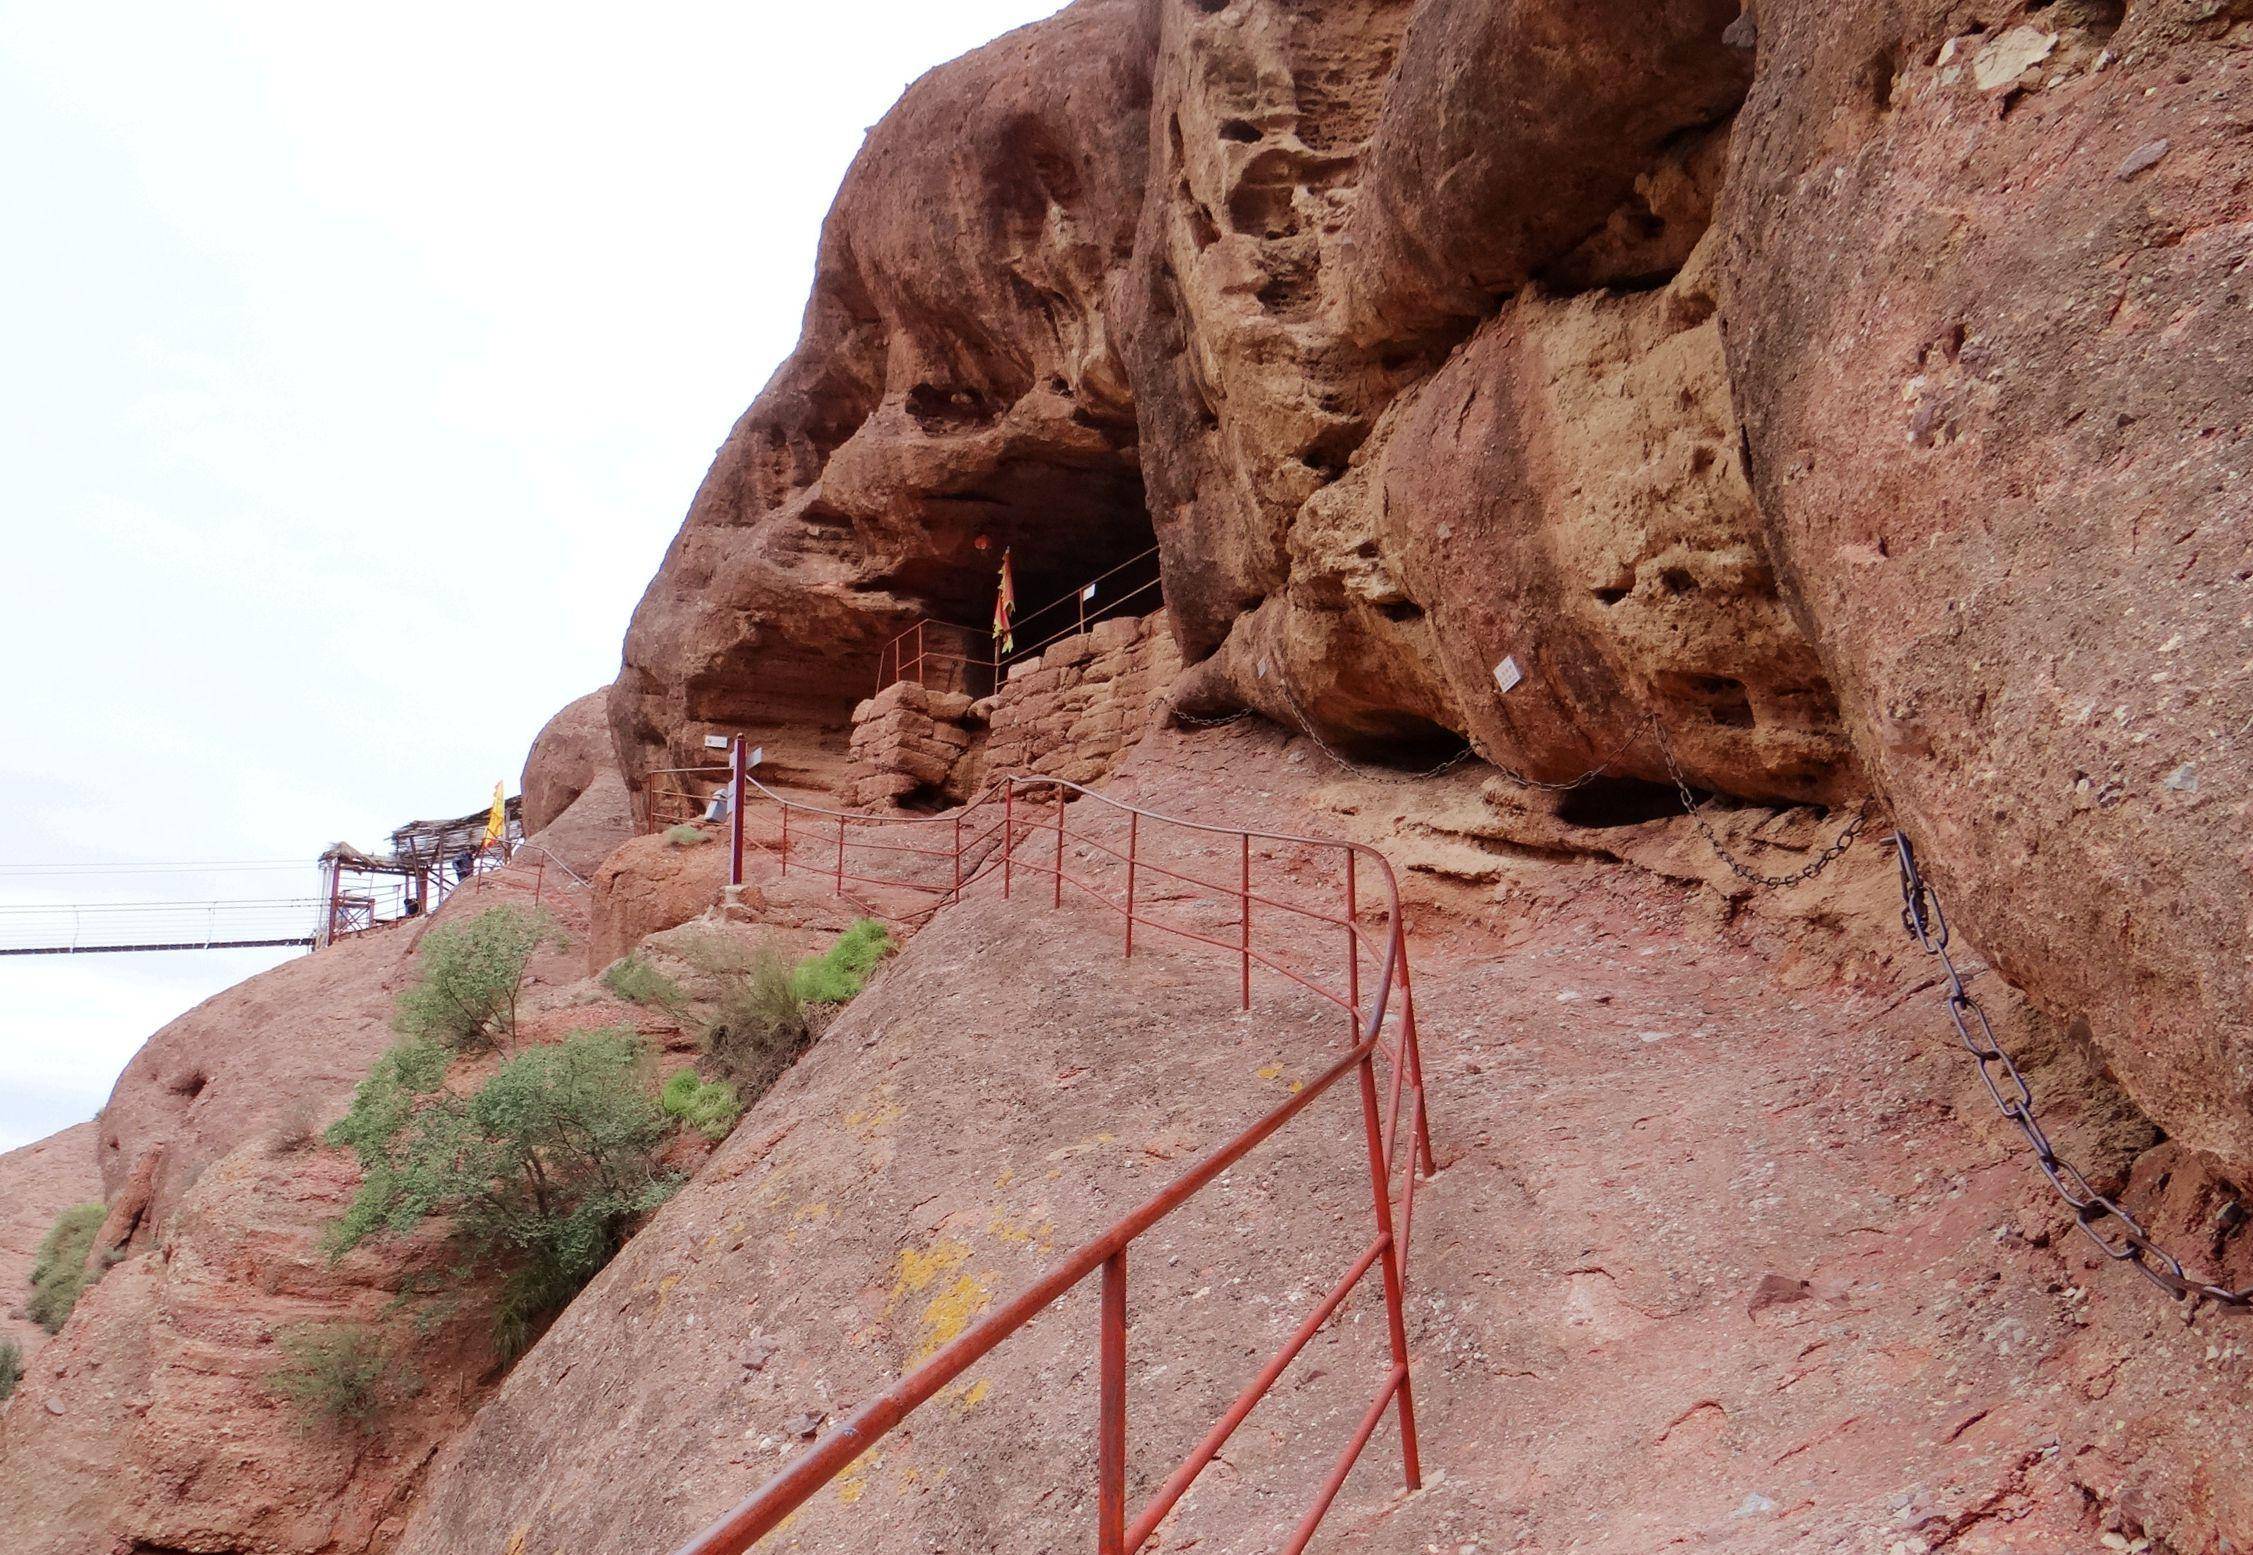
[37,1183]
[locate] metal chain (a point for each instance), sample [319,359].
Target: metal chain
[2126,1241]
[1737,866]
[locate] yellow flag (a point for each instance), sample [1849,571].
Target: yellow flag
[497,822]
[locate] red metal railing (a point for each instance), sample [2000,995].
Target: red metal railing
[931,643]
[673,796]
[984,848]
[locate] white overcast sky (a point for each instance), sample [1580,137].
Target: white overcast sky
[355,368]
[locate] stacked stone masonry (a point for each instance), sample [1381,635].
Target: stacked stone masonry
[1067,712]
[1073,710]
[911,747]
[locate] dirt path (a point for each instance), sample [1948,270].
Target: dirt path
[1728,1252]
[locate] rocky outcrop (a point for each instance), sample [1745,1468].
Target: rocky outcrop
[957,391]
[37,1183]
[569,753]
[1817,401]
[150,1421]
[1985,301]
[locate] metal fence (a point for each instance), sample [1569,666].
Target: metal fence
[1298,907]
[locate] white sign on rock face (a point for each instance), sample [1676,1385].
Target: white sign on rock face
[715,742]
[1507,674]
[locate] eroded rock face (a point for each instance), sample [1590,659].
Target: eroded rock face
[1565,496]
[957,381]
[1986,307]
[37,1183]
[567,755]
[149,1422]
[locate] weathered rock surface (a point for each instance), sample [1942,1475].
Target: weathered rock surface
[597,822]
[1990,345]
[148,1423]
[957,381]
[569,753]
[1430,342]
[37,1183]
[1714,1259]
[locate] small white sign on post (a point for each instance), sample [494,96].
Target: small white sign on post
[715,742]
[758,754]
[1088,592]
[1507,674]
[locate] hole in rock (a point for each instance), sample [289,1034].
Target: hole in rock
[1241,131]
[1401,610]
[191,1084]
[1398,740]
[1607,802]
[1209,7]
[1722,698]
[1677,580]
[923,800]
[1877,78]
[940,410]
[1610,596]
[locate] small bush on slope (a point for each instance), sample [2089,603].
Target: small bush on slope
[471,975]
[760,1020]
[545,1168]
[687,836]
[637,982]
[60,1270]
[758,1023]
[11,1367]
[339,1376]
[710,1107]
[841,971]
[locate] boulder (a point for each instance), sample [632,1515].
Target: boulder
[956,392]
[566,758]
[1989,342]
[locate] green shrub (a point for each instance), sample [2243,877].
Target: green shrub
[61,1270]
[339,1375]
[545,1168]
[707,1106]
[637,982]
[687,836]
[841,971]
[758,1023]
[471,975]
[11,1367]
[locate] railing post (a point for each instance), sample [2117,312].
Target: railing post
[1396,1323]
[1134,832]
[736,772]
[1244,914]
[1008,834]
[1415,1060]
[1059,901]
[1353,947]
[840,855]
[786,837]
[1111,1426]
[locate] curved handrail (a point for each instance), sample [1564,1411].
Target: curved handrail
[1116,1534]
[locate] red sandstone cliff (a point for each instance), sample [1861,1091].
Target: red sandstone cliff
[1845,402]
